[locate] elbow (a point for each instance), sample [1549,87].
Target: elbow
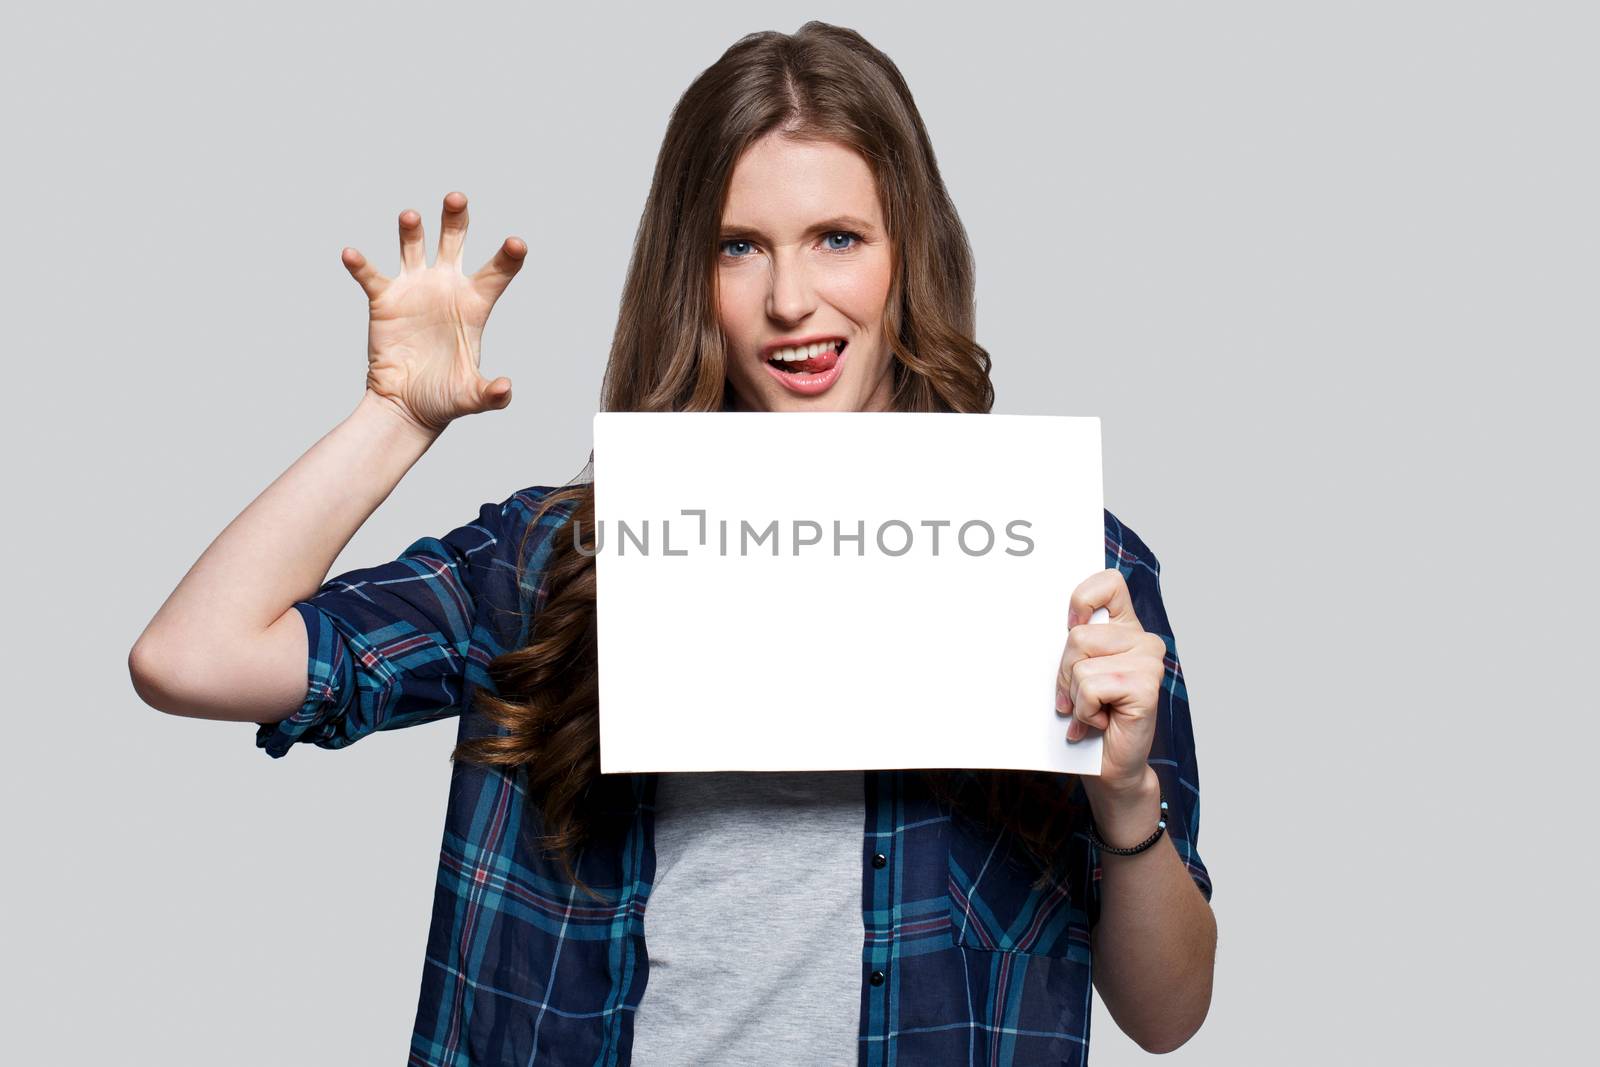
[1184,999]
[145,673]
[152,674]
[1173,1033]
[1167,1042]
[1173,1029]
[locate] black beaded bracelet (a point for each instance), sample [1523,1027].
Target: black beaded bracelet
[1161,826]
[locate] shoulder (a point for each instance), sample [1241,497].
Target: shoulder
[547,505]
[527,522]
[1126,550]
[511,579]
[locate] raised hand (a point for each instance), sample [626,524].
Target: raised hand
[426,323]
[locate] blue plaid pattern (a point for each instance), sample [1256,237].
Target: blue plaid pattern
[963,959]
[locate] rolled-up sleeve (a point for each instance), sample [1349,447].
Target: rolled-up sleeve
[388,646]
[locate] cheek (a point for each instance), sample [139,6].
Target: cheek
[861,289]
[739,306]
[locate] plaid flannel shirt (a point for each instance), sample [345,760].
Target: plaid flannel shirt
[962,959]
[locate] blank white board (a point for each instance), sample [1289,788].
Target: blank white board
[743,625]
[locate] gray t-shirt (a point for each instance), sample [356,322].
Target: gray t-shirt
[753,925]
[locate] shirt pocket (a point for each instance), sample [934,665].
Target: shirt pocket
[997,904]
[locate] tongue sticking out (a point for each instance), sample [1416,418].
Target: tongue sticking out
[823,361]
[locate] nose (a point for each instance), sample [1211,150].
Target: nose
[790,297]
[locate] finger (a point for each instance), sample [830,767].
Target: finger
[1094,694]
[1132,667]
[372,283]
[1129,680]
[492,396]
[1091,640]
[411,254]
[452,228]
[1102,639]
[495,275]
[1073,670]
[1103,589]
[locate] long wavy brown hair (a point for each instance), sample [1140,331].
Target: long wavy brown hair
[668,353]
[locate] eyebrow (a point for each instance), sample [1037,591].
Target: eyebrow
[838,222]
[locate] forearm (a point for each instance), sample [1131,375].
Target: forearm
[1154,944]
[280,547]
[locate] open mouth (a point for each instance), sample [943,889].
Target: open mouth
[808,359]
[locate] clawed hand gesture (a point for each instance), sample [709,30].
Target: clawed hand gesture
[426,322]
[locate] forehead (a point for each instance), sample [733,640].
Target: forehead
[780,186]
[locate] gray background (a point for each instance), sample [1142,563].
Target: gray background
[1327,273]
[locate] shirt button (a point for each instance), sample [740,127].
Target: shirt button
[880,861]
[876,978]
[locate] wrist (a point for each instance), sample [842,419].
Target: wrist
[391,415]
[1125,813]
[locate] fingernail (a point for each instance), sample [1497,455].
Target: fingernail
[1061,701]
[1074,730]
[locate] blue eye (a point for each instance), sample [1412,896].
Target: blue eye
[736,241]
[842,233]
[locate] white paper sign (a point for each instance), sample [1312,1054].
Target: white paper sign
[839,590]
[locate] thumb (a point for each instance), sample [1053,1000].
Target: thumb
[495,395]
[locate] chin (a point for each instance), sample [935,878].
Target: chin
[835,399]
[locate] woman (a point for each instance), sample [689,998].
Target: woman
[797,252]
